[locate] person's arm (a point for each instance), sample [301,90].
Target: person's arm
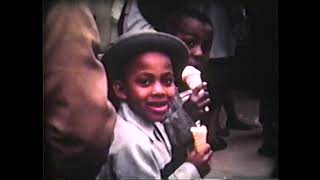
[177,125]
[183,115]
[79,119]
[197,102]
[133,19]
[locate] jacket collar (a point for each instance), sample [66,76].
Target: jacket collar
[145,126]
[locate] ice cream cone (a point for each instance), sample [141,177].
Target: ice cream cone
[191,76]
[199,134]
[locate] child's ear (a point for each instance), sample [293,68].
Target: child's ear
[119,90]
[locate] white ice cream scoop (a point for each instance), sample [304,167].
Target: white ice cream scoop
[192,77]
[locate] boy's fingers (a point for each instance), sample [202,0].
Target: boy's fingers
[197,89]
[204,103]
[207,156]
[204,86]
[206,148]
[199,98]
[203,95]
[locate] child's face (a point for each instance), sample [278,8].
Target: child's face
[149,85]
[198,37]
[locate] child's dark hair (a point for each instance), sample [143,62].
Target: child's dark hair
[169,25]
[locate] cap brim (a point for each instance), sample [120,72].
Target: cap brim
[132,44]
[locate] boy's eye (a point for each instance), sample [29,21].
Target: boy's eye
[144,82]
[189,39]
[190,44]
[168,81]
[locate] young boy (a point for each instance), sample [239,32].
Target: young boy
[196,31]
[143,67]
[193,28]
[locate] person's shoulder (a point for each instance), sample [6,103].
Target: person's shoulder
[124,127]
[127,135]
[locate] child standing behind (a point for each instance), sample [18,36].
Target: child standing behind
[144,66]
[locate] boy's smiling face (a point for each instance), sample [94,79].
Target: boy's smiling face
[148,85]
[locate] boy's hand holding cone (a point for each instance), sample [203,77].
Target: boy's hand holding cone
[202,153]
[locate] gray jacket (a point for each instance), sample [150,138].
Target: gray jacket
[137,154]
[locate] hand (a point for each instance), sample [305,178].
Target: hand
[201,160]
[198,100]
